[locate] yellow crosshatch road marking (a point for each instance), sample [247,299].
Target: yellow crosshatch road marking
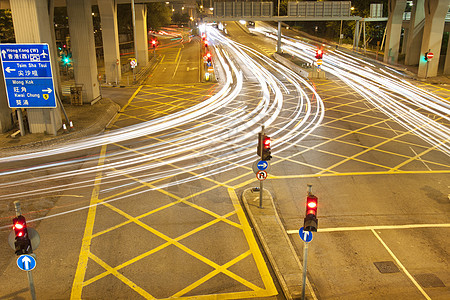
[267,287]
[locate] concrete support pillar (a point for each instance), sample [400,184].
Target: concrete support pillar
[83,47]
[393,30]
[447,60]
[32,25]
[415,33]
[279,39]
[110,36]
[141,35]
[435,12]
[356,36]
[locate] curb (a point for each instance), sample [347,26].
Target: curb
[94,128]
[277,246]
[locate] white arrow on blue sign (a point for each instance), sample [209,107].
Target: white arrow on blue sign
[262,165]
[26,262]
[306,236]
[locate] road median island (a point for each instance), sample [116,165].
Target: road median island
[276,243]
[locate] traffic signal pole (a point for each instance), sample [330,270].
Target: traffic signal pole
[261,181]
[29,274]
[305,256]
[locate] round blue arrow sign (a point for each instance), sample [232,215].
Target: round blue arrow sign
[262,165]
[26,262]
[306,236]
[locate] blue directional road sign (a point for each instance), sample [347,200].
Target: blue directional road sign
[28,76]
[306,236]
[26,262]
[262,165]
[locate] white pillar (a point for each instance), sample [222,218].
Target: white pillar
[141,35]
[110,36]
[32,25]
[83,47]
[415,33]
[435,12]
[393,30]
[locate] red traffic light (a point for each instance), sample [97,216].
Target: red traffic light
[208,55]
[153,42]
[310,221]
[266,142]
[311,205]
[319,54]
[20,226]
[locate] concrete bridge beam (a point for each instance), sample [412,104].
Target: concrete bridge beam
[394,30]
[110,36]
[435,12]
[83,47]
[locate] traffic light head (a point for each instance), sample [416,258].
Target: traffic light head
[66,60]
[310,222]
[263,149]
[208,56]
[22,241]
[154,43]
[319,53]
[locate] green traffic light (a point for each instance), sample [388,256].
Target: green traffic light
[66,60]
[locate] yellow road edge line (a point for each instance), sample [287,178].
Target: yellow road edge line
[131,99]
[77,285]
[401,266]
[256,252]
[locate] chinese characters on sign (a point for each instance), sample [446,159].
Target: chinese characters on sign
[28,75]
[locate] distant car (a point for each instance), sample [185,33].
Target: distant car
[251,24]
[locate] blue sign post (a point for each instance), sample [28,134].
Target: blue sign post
[28,75]
[26,262]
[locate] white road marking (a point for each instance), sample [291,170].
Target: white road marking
[378,227]
[401,266]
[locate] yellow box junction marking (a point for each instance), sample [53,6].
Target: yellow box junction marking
[85,254]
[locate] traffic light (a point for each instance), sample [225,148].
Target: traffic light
[426,56]
[22,241]
[266,148]
[154,43]
[263,149]
[310,222]
[66,59]
[319,53]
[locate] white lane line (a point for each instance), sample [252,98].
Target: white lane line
[176,68]
[379,227]
[401,266]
